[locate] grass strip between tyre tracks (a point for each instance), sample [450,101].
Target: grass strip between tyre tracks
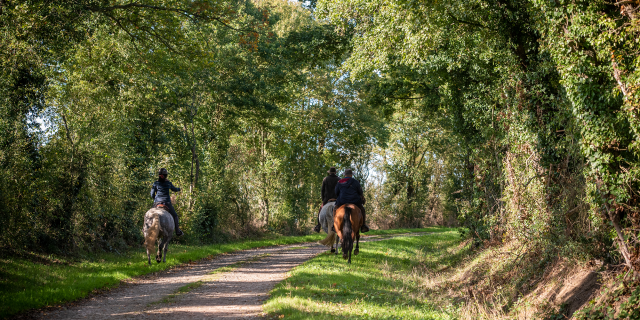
[48,281]
[211,276]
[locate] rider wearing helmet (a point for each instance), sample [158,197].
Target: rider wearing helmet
[160,195]
[348,190]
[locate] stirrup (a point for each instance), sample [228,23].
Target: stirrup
[179,232]
[364,228]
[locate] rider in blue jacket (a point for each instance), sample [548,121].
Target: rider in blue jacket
[348,190]
[160,195]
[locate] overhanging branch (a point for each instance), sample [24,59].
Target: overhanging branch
[186,13]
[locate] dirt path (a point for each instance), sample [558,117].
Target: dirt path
[234,292]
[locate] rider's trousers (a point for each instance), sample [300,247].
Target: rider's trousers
[171,210]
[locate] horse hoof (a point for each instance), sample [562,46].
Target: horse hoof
[344,256]
[333,250]
[355,252]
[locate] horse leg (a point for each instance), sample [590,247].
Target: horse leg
[349,256]
[355,253]
[166,246]
[159,253]
[149,256]
[337,240]
[345,248]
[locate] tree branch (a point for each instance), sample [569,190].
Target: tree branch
[160,38]
[406,98]
[471,23]
[133,38]
[184,12]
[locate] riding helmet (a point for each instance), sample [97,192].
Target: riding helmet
[163,171]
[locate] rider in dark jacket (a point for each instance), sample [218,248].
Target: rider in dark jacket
[328,191]
[348,190]
[160,195]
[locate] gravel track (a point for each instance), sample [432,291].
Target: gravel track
[235,294]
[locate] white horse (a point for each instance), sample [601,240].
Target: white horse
[326,221]
[158,223]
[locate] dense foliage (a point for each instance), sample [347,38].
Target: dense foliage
[537,101]
[243,102]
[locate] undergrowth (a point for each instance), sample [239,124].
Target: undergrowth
[619,300]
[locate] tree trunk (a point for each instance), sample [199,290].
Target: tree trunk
[624,250]
[410,191]
[195,162]
[264,205]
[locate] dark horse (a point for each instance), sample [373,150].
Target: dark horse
[347,222]
[158,223]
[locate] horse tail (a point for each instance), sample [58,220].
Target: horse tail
[151,234]
[329,240]
[347,242]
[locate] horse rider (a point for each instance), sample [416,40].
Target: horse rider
[348,190]
[328,191]
[160,195]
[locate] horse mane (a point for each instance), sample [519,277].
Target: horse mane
[347,241]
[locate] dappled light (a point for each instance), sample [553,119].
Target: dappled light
[514,121]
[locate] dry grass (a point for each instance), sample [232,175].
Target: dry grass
[512,281]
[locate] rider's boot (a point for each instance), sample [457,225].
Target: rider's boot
[176,220]
[364,227]
[178,231]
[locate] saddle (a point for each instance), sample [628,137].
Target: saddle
[161,206]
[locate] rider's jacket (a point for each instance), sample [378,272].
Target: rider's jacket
[348,190]
[160,191]
[329,187]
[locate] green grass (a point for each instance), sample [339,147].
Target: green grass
[383,281]
[237,265]
[182,290]
[50,280]
[404,230]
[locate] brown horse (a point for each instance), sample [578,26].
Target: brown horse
[347,222]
